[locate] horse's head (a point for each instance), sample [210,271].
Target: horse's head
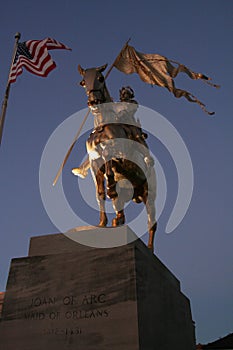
[94,83]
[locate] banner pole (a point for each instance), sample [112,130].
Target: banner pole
[70,148]
[7,92]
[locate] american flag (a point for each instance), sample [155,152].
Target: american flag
[34,56]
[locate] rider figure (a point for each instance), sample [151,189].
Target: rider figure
[125,111]
[125,115]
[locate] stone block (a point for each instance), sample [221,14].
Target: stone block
[68,296]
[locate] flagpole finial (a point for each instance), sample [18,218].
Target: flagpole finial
[17,35]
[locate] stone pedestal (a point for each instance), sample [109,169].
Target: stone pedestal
[69,296]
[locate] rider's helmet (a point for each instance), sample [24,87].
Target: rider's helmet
[126,93]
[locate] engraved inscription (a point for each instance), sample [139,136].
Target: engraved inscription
[42,301]
[63,331]
[67,308]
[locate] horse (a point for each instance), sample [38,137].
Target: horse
[117,157]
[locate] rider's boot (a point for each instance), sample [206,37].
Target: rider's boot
[82,171]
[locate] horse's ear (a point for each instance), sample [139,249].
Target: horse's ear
[102,68]
[81,70]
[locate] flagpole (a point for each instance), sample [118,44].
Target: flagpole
[83,122]
[7,92]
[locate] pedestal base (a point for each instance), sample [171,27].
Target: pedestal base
[68,296]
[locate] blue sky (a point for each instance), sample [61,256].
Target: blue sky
[196,33]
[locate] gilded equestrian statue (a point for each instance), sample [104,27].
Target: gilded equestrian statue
[117,152]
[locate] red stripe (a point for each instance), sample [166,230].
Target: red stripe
[40,71]
[36,69]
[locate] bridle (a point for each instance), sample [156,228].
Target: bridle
[97,101]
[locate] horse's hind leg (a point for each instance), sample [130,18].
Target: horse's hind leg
[152,224]
[101,197]
[100,192]
[118,205]
[152,231]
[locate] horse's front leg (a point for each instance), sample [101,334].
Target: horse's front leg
[103,220]
[107,154]
[118,206]
[111,183]
[98,175]
[120,217]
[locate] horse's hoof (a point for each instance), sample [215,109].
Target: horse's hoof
[101,225]
[103,222]
[151,248]
[118,221]
[114,222]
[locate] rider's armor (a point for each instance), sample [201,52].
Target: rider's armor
[122,113]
